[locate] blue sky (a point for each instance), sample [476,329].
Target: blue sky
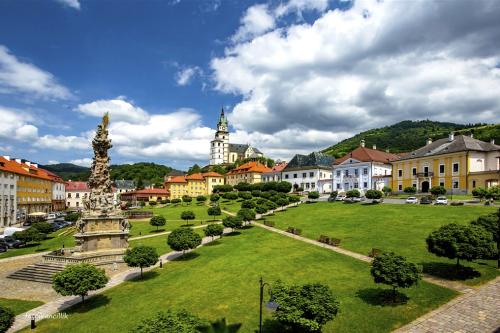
[295,75]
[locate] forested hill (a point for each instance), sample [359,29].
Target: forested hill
[409,135]
[148,172]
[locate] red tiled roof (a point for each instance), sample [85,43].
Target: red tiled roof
[76,186]
[252,166]
[195,176]
[148,191]
[54,177]
[279,167]
[22,169]
[177,179]
[211,174]
[364,154]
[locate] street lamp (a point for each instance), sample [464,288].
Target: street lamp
[271,305]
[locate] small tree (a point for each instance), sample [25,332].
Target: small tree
[152,203]
[183,239]
[213,230]
[201,198]
[78,280]
[353,194]
[294,199]
[410,190]
[30,235]
[170,322]
[73,217]
[157,221]
[304,308]
[233,222]
[373,194]
[283,187]
[248,204]
[247,215]
[142,203]
[43,227]
[395,271]
[230,195]
[282,202]
[188,215]
[141,256]
[214,211]
[243,187]
[261,209]
[313,195]
[7,318]
[491,223]
[456,241]
[187,199]
[245,195]
[334,195]
[175,201]
[387,190]
[438,190]
[214,198]
[479,193]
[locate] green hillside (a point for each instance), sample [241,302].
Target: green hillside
[409,135]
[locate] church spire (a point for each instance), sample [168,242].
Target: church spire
[222,119]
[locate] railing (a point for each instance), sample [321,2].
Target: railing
[425,174]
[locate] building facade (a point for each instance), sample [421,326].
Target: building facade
[250,172]
[223,152]
[459,163]
[8,195]
[76,192]
[311,172]
[363,169]
[193,185]
[275,174]
[146,195]
[58,192]
[122,186]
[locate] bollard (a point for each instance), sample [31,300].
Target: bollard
[33,324]
[140,233]
[161,263]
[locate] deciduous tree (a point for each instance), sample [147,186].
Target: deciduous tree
[183,239]
[214,211]
[157,221]
[188,215]
[7,318]
[213,230]
[141,256]
[78,280]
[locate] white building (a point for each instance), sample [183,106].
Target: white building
[76,192]
[8,196]
[311,172]
[122,186]
[275,174]
[363,169]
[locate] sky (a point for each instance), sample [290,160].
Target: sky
[294,76]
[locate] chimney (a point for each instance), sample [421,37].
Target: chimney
[451,137]
[362,143]
[35,165]
[429,141]
[28,163]
[18,160]
[7,157]
[374,147]
[492,141]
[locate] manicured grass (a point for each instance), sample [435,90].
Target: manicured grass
[232,206]
[173,212]
[142,227]
[221,280]
[54,241]
[19,306]
[399,228]
[159,242]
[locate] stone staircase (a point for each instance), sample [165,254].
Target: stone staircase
[41,272]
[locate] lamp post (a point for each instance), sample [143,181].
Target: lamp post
[270,305]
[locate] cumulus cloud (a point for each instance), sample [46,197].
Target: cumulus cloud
[256,21]
[17,76]
[75,4]
[371,65]
[15,124]
[300,6]
[119,109]
[85,162]
[186,75]
[63,142]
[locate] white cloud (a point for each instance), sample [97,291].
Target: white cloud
[50,162]
[17,76]
[85,162]
[16,125]
[119,110]
[70,3]
[372,65]
[256,21]
[186,75]
[62,142]
[300,6]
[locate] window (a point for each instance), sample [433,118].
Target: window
[346,172]
[294,175]
[311,174]
[304,175]
[307,186]
[400,173]
[338,186]
[473,184]
[69,195]
[414,185]
[455,167]
[455,184]
[441,169]
[441,184]
[400,187]
[365,171]
[312,185]
[414,171]
[356,172]
[338,173]
[356,185]
[365,185]
[77,195]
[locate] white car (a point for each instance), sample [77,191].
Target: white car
[340,197]
[411,200]
[441,201]
[51,216]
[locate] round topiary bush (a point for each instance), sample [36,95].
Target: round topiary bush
[6,319]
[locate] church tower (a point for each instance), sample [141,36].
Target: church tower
[219,146]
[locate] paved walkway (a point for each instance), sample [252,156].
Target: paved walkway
[474,312]
[64,302]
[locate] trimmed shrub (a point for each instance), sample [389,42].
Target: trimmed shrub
[410,190]
[269,223]
[456,203]
[374,252]
[294,230]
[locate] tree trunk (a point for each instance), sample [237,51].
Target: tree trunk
[83,299]
[141,273]
[394,294]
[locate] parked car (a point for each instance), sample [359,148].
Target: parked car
[12,243]
[356,199]
[51,216]
[426,200]
[411,200]
[441,201]
[340,197]
[3,248]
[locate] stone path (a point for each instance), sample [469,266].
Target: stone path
[63,303]
[475,312]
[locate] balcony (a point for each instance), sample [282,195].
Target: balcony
[425,174]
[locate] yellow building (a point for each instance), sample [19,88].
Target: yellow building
[250,172]
[193,185]
[459,163]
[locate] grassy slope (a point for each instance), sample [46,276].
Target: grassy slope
[18,305]
[54,242]
[159,242]
[222,281]
[398,228]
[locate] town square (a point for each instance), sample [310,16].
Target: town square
[238,166]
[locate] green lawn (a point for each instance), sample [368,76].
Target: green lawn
[221,280]
[159,242]
[232,206]
[389,227]
[142,227]
[173,212]
[19,306]
[54,241]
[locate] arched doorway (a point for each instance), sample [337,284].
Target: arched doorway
[425,187]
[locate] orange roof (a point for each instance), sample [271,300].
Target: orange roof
[76,186]
[149,191]
[177,179]
[22,169]
[248,167]
[279,167]
[364,154]
[211,174]
[195,176]
[53,176]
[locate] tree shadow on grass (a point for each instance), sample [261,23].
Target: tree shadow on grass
[187,257]
[187,225]
[145,276]
[449,271]
[246,227]
[90,303]
[220,326]
[156,231]
[213,243]
[271,325]
[232,234]
[382,297]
